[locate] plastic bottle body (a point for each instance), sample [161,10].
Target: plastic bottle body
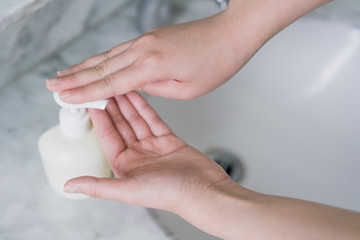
[66,157]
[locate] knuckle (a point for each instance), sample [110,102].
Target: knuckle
[147,39]
[119,119]
[107,54]
[134,118]
[155,119]
[106,82]
[99,69]
[94,190]
[149,61]
[107,132]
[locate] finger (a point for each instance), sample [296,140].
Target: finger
[109,137]
[123,81]
[117,189]
[92,61]
[152,119]
[169,89]
[122,126]
[91,74]
[137,123]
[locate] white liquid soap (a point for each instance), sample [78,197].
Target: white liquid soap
[72,148]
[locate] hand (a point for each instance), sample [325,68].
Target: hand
[153,167]
[181,61]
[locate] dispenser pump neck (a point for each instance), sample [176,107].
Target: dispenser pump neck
[74,118]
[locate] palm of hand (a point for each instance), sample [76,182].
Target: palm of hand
[153,167]
[165,170]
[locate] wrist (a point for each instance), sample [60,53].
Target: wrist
[231,212]
[249,24]
[223,210]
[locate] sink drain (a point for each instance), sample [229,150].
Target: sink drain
[230,163]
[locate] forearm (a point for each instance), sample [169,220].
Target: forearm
[248,24]
[233,212]
[298,219]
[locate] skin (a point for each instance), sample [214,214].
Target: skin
[153,167]
[156,169]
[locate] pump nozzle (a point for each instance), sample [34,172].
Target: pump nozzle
[100,104]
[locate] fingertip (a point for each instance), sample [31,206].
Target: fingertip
[65,95]
[78,184]
[52,81]
[64,72]
[52,84]
[71,186]
[136,97]
[133,94]
[71,189]
[96,115]
[93,111]
[75,96]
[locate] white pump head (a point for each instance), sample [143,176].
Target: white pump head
[74,119]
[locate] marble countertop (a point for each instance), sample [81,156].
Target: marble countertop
[12,11]
[29,208]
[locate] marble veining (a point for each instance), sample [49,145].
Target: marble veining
[26,42]
[12,11]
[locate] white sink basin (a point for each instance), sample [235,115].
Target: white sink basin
[292,116]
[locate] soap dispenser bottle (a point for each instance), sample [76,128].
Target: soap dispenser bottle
[71,148]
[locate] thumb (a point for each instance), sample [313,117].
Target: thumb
[117,189]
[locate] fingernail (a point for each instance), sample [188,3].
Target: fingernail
[71,189]
[61,73]
[66,94]
[52,81]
